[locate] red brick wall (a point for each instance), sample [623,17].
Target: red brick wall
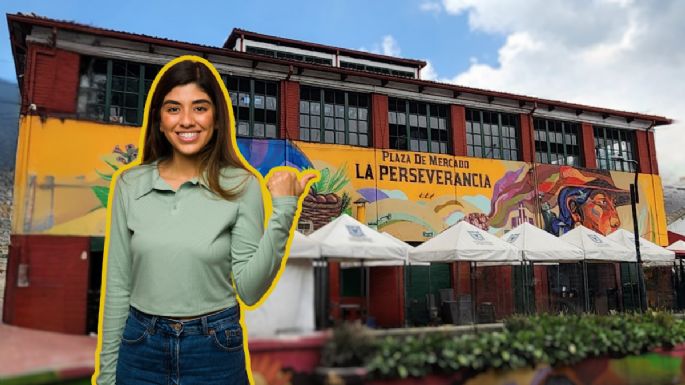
[290,110]
[461,277]
[494,285]
[334,289]
[51,81]
[587,137]
[646,152]
[458,123]
[380,138]
[541,289]
[55,299]
[527,139]
[386,300]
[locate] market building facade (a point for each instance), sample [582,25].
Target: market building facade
[419,155]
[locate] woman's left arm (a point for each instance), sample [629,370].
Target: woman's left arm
[256,253]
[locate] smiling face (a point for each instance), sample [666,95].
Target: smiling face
[187,119]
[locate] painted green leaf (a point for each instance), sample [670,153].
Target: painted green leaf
[102,193]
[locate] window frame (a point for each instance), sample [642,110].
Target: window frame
[321,116]
[144,84]
[407,125]
[491,150]
[606,162]
[566,127]
[251,114]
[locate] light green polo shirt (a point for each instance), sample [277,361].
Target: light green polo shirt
[173,253]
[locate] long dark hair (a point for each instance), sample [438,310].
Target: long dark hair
[219,152]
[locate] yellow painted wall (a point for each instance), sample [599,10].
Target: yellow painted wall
[61,158]
[57,162]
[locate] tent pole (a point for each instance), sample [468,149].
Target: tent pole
[404,289]
[457,296]
[532,288]
[523,287]
[472,274]
[586,288]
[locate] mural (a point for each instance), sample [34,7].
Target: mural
[411,195]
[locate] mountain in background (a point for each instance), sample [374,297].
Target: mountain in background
[9,123]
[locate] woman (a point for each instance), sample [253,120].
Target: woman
[186,238]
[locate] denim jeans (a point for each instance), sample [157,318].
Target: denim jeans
[204,350]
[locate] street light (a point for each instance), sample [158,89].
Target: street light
[634,200]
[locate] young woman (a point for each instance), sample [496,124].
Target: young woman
[186,238]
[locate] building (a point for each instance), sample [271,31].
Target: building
[423,154]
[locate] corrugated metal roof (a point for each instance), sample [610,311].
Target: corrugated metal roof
[45,21]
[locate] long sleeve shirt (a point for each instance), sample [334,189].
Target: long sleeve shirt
[173,253]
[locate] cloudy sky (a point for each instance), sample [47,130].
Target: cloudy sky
[623,54]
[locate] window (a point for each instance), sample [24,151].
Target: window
[418,126]
[334,116]
[376,69]
[491,134]
[114,90]
[288,55]
[612,143]
[557,142]
[255,106]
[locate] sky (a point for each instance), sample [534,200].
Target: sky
[622,54]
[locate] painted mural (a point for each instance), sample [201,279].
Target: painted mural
[414,196]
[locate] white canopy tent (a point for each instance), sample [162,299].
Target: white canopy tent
[393,262]
[345,238]
[465,242]
[302,247]
[678,247]
[650,253]
[596,247]
[537,245]
[290,306]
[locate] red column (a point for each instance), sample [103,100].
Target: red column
[51,72]
[458,123]
[386,302]
[587,137]
[527,149]
[290,110]
[334,289]
[646,152]
[380,137]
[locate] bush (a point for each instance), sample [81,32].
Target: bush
[524,341]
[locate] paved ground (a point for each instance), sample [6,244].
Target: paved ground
[24,351]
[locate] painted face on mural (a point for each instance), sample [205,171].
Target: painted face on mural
[187,119]
[598,213]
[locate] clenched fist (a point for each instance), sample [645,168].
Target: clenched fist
[284,182]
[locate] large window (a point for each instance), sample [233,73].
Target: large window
[613,143]
[333,116]
[418,126]
[288,55]
[557,142]
[376,69]
[255,106]
[114,90]
[491,134]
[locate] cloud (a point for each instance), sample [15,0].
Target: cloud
[389,46]
[428,72]
[609,53]
[430,6]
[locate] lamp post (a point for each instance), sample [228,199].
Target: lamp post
[634,200]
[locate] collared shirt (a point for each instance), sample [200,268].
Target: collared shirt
[173,252]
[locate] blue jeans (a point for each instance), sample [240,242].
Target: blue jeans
[204,350]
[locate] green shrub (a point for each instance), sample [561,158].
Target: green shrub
[524,341]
